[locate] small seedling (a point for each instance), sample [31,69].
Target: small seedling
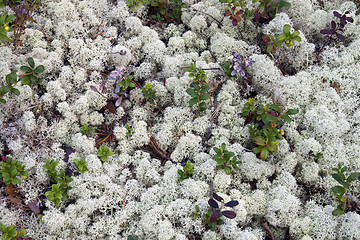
[104,152]
[54,195]
[129,129]
[50,166]
[149,92]
[30,77]
[5,21]
[271,42]
[86,130]
[336,28]
[263,125]
[341,192]
[187,170]
[81,165]
[11,81]
[64,182]
[11,233]
[225,159]
[10,170]
[198,75]
[198,96]
[212,218]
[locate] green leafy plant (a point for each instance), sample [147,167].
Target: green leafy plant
[60,189]
[86,130]
[341,192]
[271,42]
[212,218]
[263,125]
[11,81]
[226,160]
[5,21]
[10,170]
[187,170]
[149,92]
[81,165]
[104,152]
[54,195]
[198,75]
[30,77]
[198,97]
[129,129]
[11,233]
[132,237]
[50,166]
[267,10]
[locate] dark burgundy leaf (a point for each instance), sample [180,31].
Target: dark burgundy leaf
[256,14]
[340,37]
[333,25]
[327,31]
[347,12]
[342,22]
[215,216]
[229,214]
[234,22]
[213,203]
[240,12]
[231,204]
[94,88]
[217,197]
[264,15]
[349,19]
[336,14]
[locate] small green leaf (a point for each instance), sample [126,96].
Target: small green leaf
[39,69]
[193,101]
[7,88]
[286,118]
[259,140]
[26,69]
[264,154]
[227,170]
[292,111]
[191,92]
[22,232]
[337,177]
[12,232]
[353,176]
[338,190]
[337,212]
[11,78]
[3,38]
[30,61]
[205,96]
[15,91]
[25,80]
[286,29]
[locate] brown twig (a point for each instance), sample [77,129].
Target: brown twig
[92,35]
[175,135]
[266,226]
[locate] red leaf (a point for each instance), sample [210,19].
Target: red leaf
[215,216]
[234,22]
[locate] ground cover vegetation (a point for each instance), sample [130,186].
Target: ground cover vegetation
[131,118]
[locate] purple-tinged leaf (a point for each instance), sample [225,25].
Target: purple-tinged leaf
[215,216]
[114,95]
[342,22]
[264,15]
[333,25]
[349,19]
[347,12]
[336,14]
[234,22]
[102,87]
[229,214]
[213,203]
[231,203]
[256,14]
[217,197]
[94,88]
[118,102]
[327,31]
[340,37]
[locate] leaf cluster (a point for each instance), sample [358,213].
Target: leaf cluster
[10,170]
[263,125]
[340,191]
[104,152]
[267,10]
[271,43]
[30,77]
[11,81]
[187,170]
[81,165]
[60,189]
[336,28]
[226,160]
[128,128]
[198,74]
[11,233]
[86,130]
[5,21]
[198,97]
[212,218]
[149,92]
